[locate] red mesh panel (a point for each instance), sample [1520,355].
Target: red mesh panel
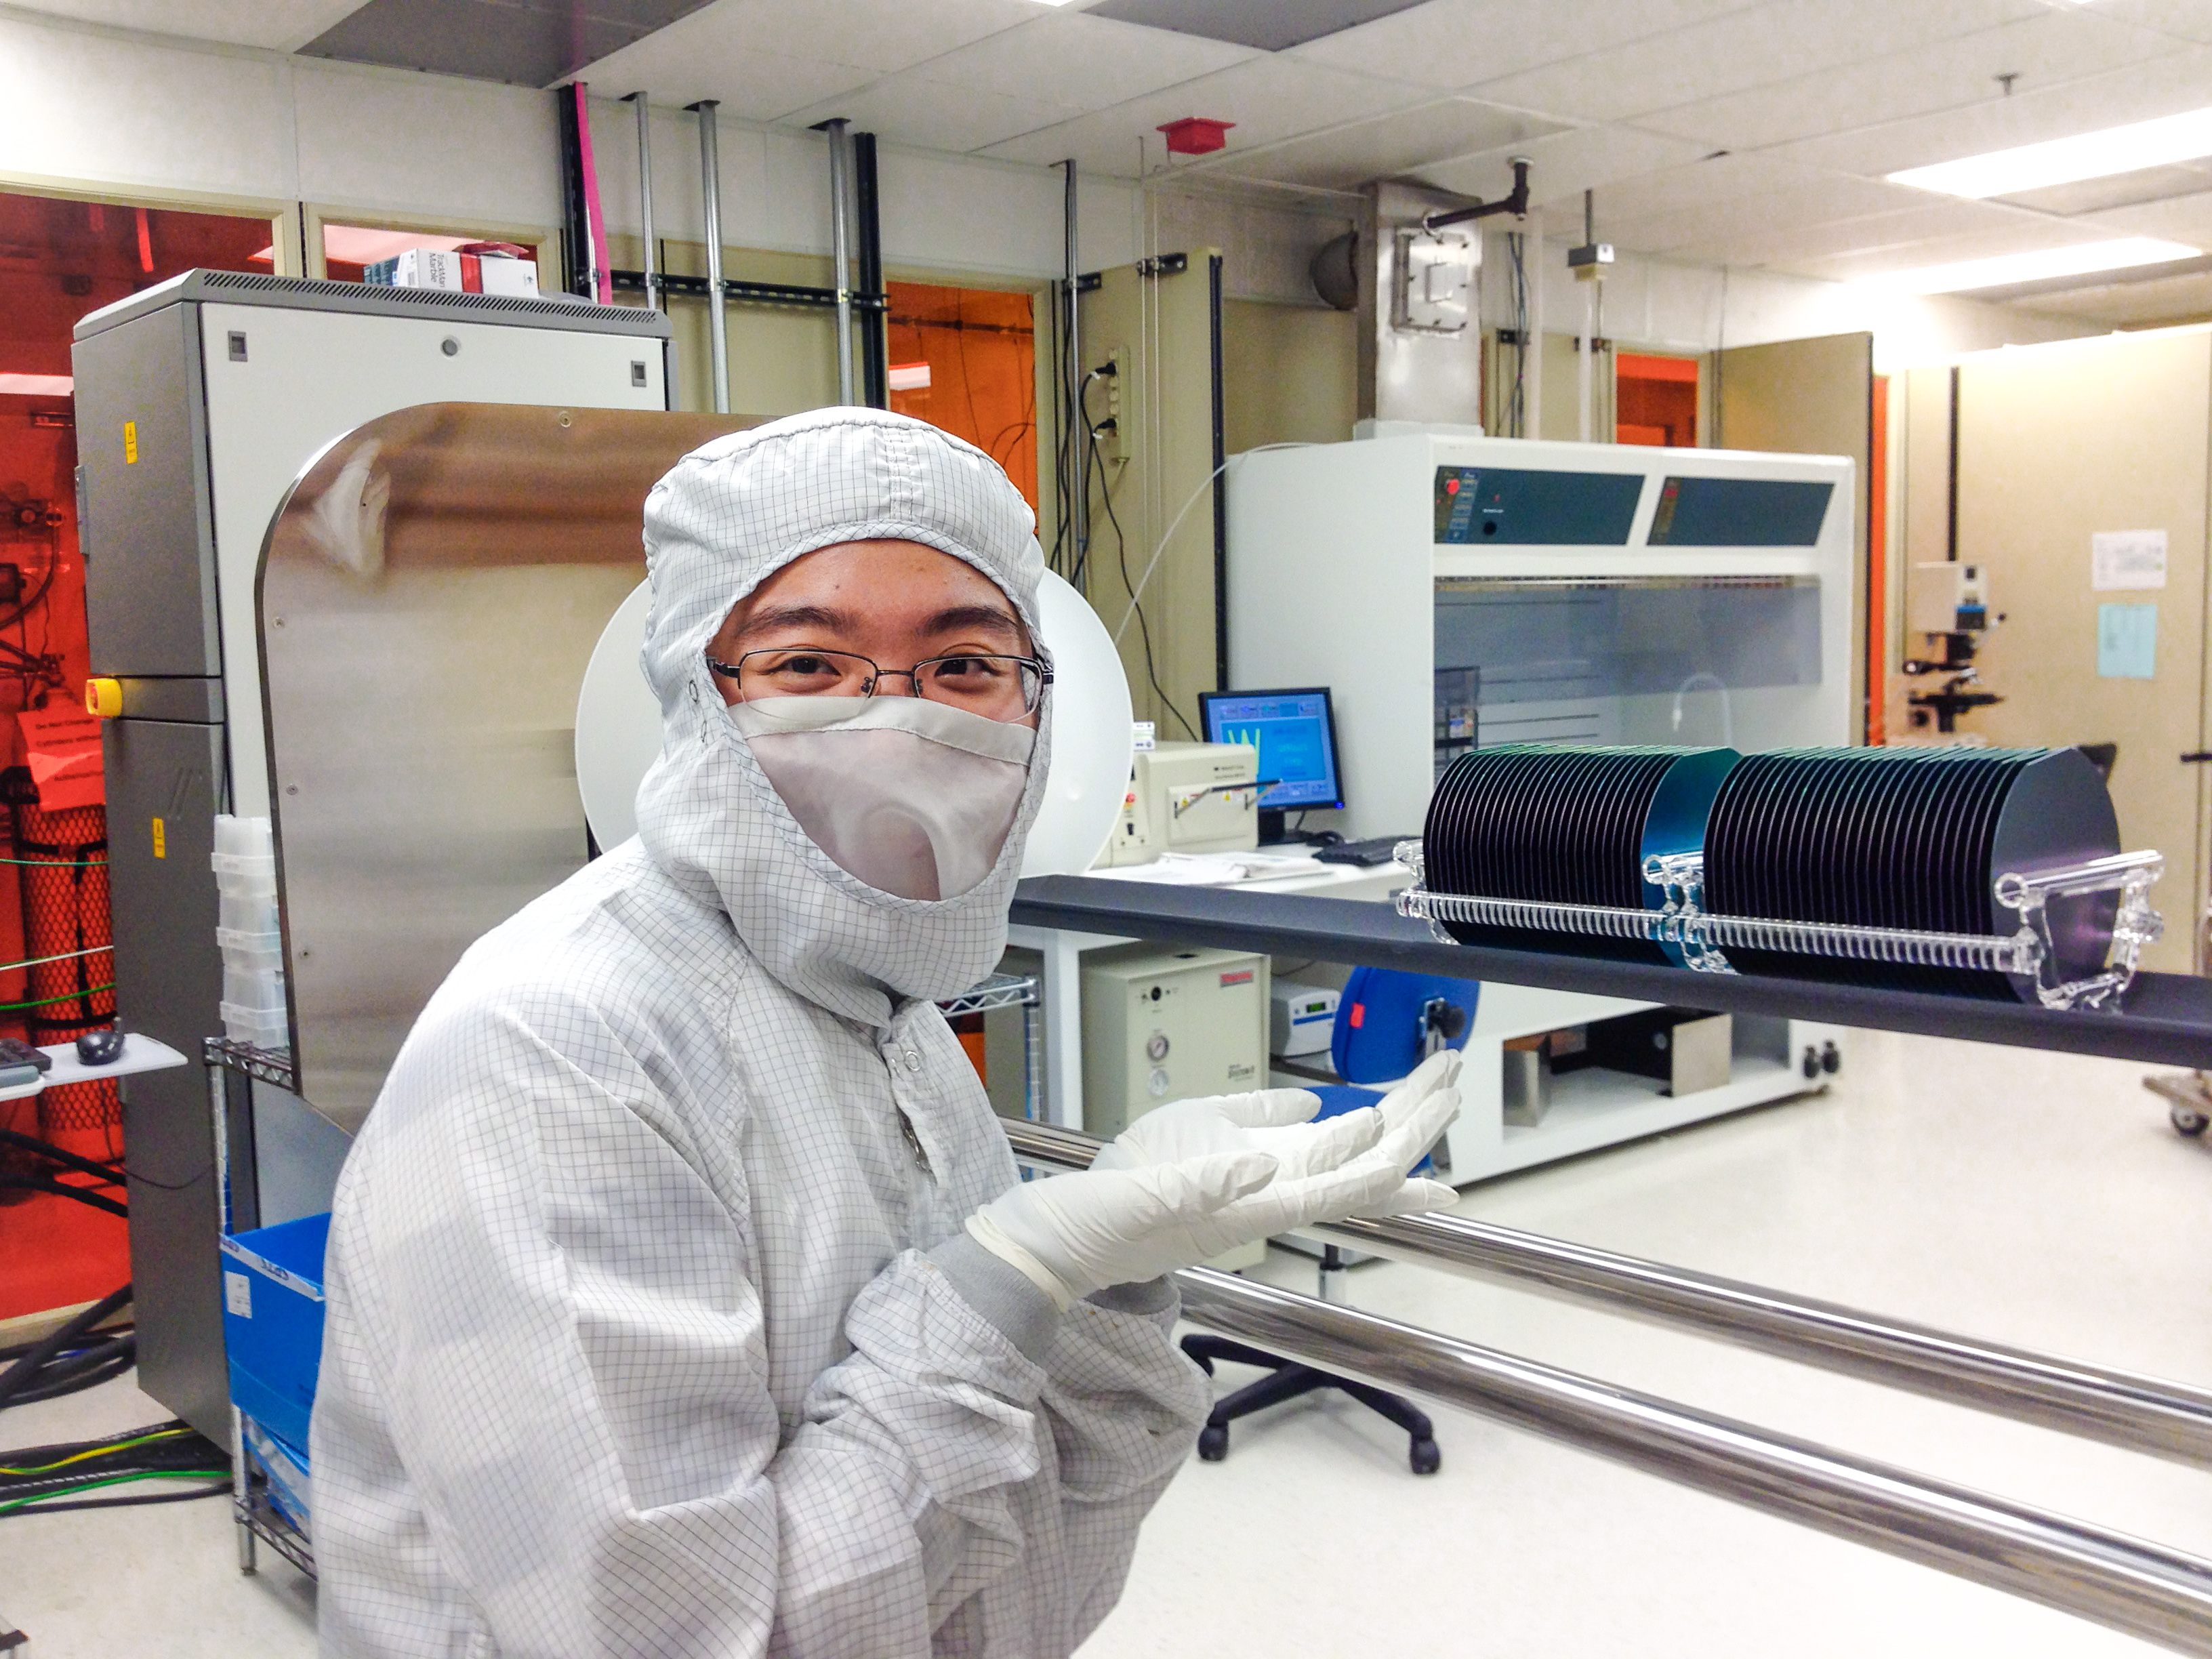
[64,882]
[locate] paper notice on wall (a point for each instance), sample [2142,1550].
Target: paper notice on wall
[62,743]
[2127,558]
[2127,641]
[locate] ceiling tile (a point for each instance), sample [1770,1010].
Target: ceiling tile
[1390,144]
[906,111]
[524,43]
[1563,166]
[1456,43]
[1743,49]
[2027,237]
[2166,300]
[1081,62]
[2177,219]
[2139,188]
[882,35]
[2166,85]
[1941,75]
[1268,25]
[751,86]
[1269,98]
[275,25]
[1693,227]
[2184,20]
[1866,234]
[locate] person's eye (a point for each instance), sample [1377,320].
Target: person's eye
[805,666]
[966,673]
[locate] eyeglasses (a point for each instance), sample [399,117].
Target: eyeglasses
[997,688]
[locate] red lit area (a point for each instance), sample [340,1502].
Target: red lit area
[1656,401]
[965,359]
[59,260]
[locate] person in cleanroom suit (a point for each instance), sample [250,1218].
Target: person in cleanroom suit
[684,1298]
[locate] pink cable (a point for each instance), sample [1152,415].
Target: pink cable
[595,227]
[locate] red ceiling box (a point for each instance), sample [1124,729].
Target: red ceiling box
[1196,135]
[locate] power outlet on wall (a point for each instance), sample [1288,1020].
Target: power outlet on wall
[1112,425]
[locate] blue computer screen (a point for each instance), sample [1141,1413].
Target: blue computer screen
[1291,730]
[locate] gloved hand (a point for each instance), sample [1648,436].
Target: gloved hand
[1220,1184]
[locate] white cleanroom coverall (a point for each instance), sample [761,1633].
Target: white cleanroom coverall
[651,1328]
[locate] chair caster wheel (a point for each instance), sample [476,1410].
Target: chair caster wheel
[2189,1120]
[1212,1443]
[1425,1458]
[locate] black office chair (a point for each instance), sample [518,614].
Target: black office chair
[1387,1022]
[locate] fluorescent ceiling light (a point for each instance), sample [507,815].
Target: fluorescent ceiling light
[2062,161]
[2006,269]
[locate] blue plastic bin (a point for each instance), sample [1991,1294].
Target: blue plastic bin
[272,1321]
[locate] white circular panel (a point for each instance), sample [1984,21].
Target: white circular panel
[617,724]
[1090,713]
[618,732]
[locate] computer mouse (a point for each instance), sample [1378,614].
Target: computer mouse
[102,1046]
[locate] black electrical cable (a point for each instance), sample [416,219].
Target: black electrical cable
[22,1375]
[108,1173]
[41,1480]
[1144,629]
[56,1187]
[78,1372]
[213,1489]
[17,1350]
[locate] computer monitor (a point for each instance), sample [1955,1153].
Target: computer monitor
[1295,732]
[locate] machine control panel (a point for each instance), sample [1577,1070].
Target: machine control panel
[1479,506]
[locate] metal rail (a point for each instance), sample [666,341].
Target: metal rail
[710,190]
[2122,1408]
[2146,1589]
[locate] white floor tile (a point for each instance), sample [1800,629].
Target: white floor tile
[2036,1200]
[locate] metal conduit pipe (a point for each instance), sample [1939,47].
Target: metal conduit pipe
[840,253]
[2144,1588]
[645,197]
[2123,1408]
[710,189]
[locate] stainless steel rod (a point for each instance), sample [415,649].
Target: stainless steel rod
[710,187]
[2122,1408]
[1079,481]
[645,195]
[2146,1589]
[841,247]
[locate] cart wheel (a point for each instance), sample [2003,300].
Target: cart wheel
[1425,1458]
[1212,1443]
[2189,1120]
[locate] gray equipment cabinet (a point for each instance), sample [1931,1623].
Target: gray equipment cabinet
[198,403]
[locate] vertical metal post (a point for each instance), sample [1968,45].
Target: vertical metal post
[1585,383]
[645,196]
[1079,505]
[1533,261]
[710,187]
[841,247]
[875,349]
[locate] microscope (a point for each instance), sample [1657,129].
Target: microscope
[1949,605]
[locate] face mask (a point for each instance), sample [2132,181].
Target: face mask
[914,798]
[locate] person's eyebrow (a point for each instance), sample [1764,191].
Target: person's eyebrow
[794,616]
[961,619]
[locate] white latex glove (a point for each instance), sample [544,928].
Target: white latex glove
[1075,1234]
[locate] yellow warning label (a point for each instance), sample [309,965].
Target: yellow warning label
[131,448]
[161,839]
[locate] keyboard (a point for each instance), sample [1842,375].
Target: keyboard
[1376,850]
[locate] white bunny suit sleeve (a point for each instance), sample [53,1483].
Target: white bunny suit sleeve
[647,1331]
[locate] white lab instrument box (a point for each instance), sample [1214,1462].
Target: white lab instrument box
[1188,798]
[1301,1019]
[1164,1024]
